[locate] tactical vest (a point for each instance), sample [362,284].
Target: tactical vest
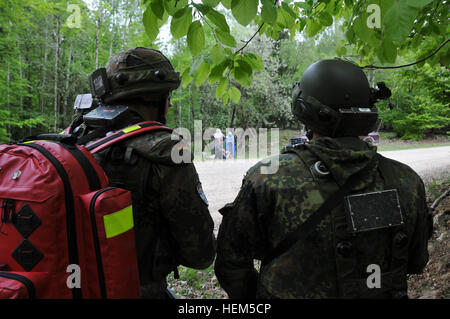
[352,263]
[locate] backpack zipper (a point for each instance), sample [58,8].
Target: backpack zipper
[98,255]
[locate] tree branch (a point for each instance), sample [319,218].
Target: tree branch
[406,65]
[438,200]
[248,41]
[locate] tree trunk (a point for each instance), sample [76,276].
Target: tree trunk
[44,68]
[97,37]
[233,116]
[55,101]
[8,98]
[66,91]
[19,49]
[113,27]
[190,105]
[179,113]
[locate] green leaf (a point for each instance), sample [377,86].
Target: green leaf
[225,98]
[196,37]
[312,28]
[202,8]
[202,73]
[364,32]
[186,78]
[244,11]
[225,38]
[399,19]
[325,18]
[173,6]
[348,3]
[341,51]
[269,12]
[242,72]
[419,4]
[217,54]
[389,51]
[180,23]
[211,3]
[288,10]
[226,3]
[222,88]
[218,19]
[445,58]
[350,35]
[255,61]
[235,94]
[217,71]
[158,8]
[286,17]
[150,24]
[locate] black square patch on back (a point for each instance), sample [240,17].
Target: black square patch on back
[374,210]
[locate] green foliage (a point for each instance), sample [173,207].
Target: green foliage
[44,63]
[378,31]
[238,58]
[421,102]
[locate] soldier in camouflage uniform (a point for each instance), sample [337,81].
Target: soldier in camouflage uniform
[171,217]
[330,258]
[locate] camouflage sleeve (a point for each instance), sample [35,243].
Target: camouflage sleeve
[190,225]
[238,245]
[418,248]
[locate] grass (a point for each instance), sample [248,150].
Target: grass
[434,187]
[196,284]
[383,148]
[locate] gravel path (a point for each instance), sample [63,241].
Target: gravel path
[221,180]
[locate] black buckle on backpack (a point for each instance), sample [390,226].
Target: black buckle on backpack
[7,213]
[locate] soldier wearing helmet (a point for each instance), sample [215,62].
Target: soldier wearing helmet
[171,217]
[337,220]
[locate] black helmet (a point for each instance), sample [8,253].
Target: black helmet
[334,99]
[140,72]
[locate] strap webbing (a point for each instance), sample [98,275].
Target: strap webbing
[125,134]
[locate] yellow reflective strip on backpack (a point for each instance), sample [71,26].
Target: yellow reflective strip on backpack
[119,222]
[131,129]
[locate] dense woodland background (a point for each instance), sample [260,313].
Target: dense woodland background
[45,61]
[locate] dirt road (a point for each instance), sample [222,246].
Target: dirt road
[222,180]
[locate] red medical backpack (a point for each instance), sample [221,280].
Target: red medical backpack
[64,233]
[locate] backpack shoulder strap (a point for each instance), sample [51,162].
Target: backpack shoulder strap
[125,134]
[387,172]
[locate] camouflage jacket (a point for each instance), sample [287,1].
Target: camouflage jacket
[171,217]
[268,207]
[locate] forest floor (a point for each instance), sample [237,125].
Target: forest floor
[434,283]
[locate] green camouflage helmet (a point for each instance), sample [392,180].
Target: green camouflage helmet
[140,72]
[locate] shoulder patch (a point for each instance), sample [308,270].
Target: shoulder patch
[201,193]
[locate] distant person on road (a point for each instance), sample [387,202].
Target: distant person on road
[218,144]
[337,220]
[230,145]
